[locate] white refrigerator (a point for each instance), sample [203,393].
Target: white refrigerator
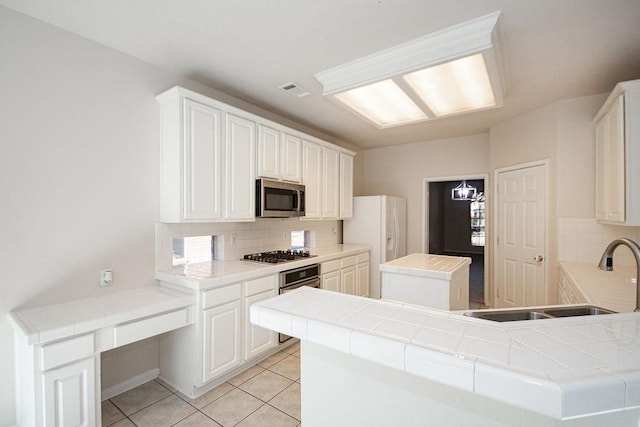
[380,222]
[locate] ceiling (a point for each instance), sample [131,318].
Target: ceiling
[248,48]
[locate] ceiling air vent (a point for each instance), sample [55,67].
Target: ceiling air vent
[294,89]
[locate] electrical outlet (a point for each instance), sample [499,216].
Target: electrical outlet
[234,239]
[106,277]
[285,235]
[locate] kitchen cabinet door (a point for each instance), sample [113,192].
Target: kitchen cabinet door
[312,179]
[618,156]
[362,277]
[257,339]
[331,281]
[346,186]
[291,158]
[191,161]
[268,152]
[70,394]
[348,280]
[331,181]
[221,339]
[240,168]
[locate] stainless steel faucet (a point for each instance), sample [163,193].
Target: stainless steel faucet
[606,262]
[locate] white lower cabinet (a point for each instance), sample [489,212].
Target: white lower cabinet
[221,343]
[70,394]
[257,340]
[349,275]
[362,277]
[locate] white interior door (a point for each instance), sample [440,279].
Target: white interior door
[521,237]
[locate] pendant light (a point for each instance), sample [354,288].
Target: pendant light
[463,192]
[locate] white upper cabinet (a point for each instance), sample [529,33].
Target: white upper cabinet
[618,156]
[331,180]
[279,155]
[346,186]
[191,159]
[207,160]
[291,158]
[328,180]
[312,178]
[240,166]
[213,152]
[268,152]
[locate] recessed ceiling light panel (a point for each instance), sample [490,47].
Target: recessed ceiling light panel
[452,71]
[454,87]
[384,103]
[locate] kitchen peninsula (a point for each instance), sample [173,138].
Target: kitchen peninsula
[382,363]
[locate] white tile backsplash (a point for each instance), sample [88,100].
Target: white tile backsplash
[261,235]
[584,240]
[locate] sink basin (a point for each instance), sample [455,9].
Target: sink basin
[533,314]
[588,310]
[508,316]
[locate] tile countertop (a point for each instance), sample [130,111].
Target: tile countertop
[563,368]
[609,289]
[425,265]
[58,321]
[212,274]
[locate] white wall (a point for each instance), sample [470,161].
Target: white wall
[399,171]
[79,175]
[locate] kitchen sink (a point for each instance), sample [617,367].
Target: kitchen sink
[541,313]
[587,310]
[509,316]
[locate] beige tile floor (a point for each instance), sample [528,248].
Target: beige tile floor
[267,394]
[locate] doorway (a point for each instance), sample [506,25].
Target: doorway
[456,226]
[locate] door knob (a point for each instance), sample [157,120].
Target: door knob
[538,258]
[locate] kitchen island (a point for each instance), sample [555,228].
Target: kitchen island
[437,281]
[384,363]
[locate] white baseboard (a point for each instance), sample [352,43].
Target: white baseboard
[130,383]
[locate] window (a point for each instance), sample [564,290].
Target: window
[298,239]
[189,250]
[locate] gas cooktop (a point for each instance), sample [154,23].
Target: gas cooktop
[275,257]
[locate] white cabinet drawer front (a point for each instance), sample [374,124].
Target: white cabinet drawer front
[136,331]
[67,351]
[348,261]
[257,286]
[328,266]
[363,257]
[221,296]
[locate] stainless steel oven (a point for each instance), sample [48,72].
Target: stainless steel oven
[295,278]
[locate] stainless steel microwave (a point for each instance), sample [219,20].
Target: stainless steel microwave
[276,199]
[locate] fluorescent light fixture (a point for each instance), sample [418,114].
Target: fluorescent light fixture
[383,103]
[453,71]
[454,87]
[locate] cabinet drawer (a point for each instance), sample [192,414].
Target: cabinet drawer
[348,261]
[263,284]
[66,351]
[363,257]
[330,266]
[221,296]
[141,329]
